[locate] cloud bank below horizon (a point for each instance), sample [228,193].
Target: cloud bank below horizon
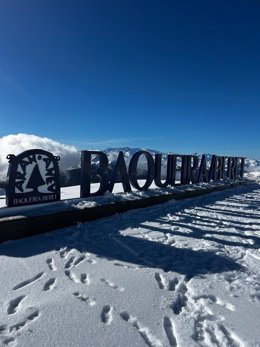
[18,143]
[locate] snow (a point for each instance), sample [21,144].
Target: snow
[70,199]
[184,273]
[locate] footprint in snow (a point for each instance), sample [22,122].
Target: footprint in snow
[49,285]
[84,278]
[214,300]
[9,334]
[85,298]
[10,342]
[208,328]
[163,283]
[144,332]
[112,285]
[106,314]
[29,281]
[51,265]
[181,299]
[14,304]
[24,323]
[74,261]
[169,331]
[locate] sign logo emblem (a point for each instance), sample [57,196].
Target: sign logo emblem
[32,178]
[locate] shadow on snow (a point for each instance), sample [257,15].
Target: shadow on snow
[103,237]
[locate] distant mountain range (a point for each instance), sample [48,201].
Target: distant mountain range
[112,154]
[72,175]
[70,156]
[252,165]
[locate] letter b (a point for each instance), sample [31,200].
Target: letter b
[87,172]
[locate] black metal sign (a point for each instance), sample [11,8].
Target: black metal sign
[192,170]
[32,178]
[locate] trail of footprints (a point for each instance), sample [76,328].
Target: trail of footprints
[16,307]
[210,328]
[107,312]
[180,301]
[21,315]
[207,327]
[144,332]
[8,334]
[74,261]
[29,319]
[150,340]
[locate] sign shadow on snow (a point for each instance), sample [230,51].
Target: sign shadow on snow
[103,238]
[134,250]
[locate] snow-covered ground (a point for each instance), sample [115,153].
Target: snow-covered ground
[73,192]
[179,274]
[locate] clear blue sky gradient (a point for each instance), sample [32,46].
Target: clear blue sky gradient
[179,76]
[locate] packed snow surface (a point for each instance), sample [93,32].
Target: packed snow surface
[180,274]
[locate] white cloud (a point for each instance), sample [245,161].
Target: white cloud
[16,144]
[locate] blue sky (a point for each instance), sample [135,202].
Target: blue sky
[179,76]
